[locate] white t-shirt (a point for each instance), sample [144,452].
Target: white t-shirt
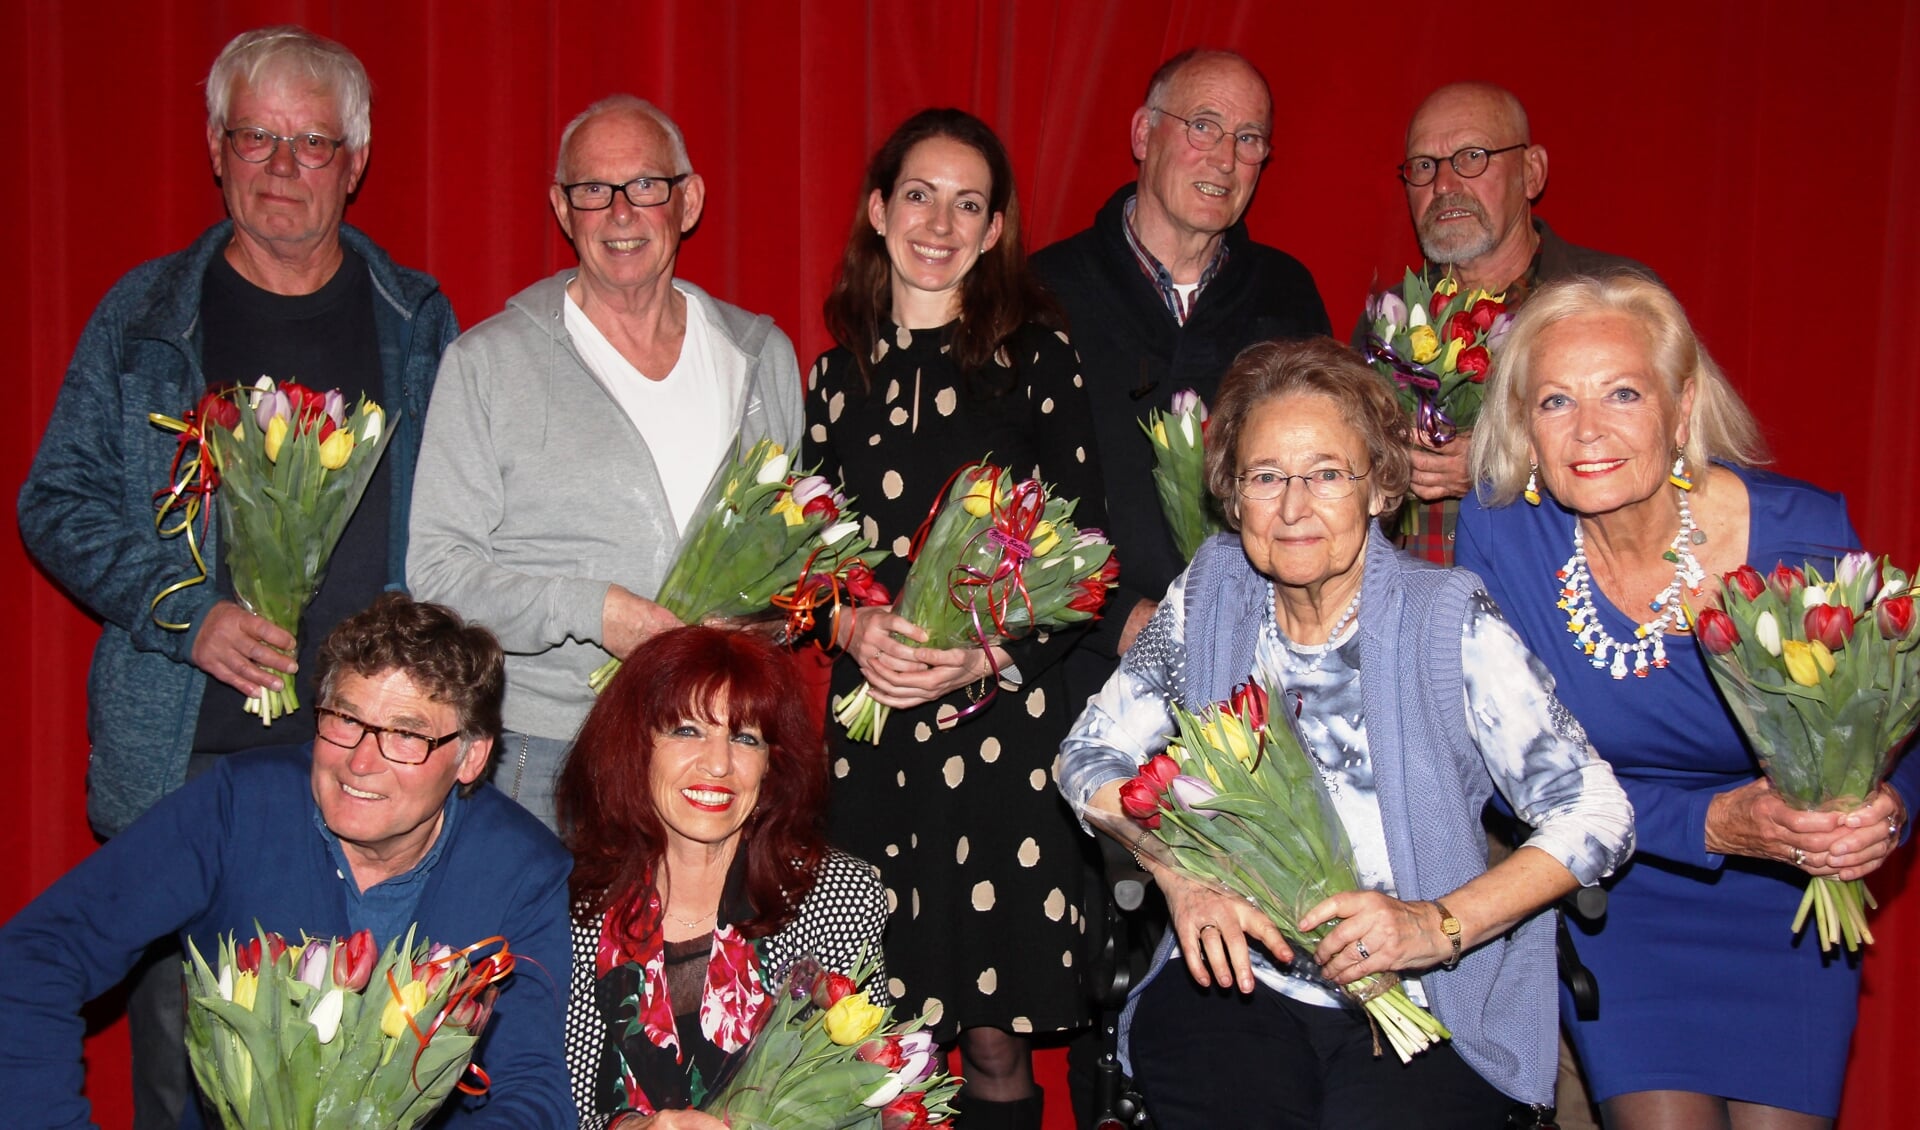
[686,418]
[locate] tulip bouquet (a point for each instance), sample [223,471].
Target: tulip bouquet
[1180,470]
[326,1034]
[996,561]
[765,537]
[1435,343]
[827,1057]
[290,464]
[1824,679]
[1238,804]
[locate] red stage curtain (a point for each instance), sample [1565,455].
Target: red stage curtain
[1763,157]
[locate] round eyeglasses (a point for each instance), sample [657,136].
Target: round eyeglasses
[309,150]
[1469,163]
[1264,484]
[641,192]
[402,747]
[1205,134]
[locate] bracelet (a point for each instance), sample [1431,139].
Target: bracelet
[1450,926]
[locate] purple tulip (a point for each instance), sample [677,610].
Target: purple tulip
[915,1043]
[1183,401]
[1392,308]
[316,961]
[1189,791]
[272,405]
[1498,333]
[1862,568]
[1090,535]
[918,1066]
[810,488]
[335,407]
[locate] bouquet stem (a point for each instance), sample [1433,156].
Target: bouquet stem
[1839,911]
[1408,1027]
[862,716]
[271,703]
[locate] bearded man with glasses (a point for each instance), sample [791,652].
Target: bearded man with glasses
[1471,174]
[382,822]
[281,287]
[572,435]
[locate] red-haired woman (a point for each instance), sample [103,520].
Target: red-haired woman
[694,801]
[949,351]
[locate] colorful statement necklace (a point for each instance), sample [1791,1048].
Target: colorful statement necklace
[1670,612]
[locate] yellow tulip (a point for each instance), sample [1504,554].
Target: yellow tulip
[1160,433]
[1045,538]
[852,1019]
[1822,655]
[1446,286]
[1425,343]
[336,449]
[276,435]
[1237,743]
[789,512]
[1452,361]
[413,998]
[979,499]
[1802,666]
[246,987]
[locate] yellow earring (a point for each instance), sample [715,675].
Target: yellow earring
[1532,493]
[1678,476]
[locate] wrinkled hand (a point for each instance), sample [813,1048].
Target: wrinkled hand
[901,675]
[1440,472]
[1214,930]
[1395,934]
[1753,821]
[628,620]
[244,651]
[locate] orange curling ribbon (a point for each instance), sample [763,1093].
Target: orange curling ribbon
[194,476]
[808,593]
[477,987]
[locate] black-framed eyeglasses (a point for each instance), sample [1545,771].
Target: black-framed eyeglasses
[310,150]
[1205,134]
[642,192]
[1469,163]
[402,747]
[1264,484]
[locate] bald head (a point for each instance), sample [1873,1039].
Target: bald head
[1494,107]
[1222,63]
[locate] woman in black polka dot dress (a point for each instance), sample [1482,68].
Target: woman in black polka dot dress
[980,859]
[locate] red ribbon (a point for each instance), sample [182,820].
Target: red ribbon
[481,977]
[1010,535]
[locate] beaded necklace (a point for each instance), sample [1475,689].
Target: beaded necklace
[1319,653]
[1670,612]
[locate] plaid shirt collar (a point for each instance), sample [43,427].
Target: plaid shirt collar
[1161,278]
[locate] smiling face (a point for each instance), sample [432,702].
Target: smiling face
[1297,539]
[278,205]
[705,778]
[1460,220]
[387,815]
[1190,191]
[624,248]
[936,225]
[1601,423]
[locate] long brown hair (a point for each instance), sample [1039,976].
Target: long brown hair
[605,793]
[998,295]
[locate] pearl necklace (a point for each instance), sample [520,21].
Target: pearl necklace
[1583,618]
[1333,637]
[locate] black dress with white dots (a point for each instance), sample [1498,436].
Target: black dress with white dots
[980,857]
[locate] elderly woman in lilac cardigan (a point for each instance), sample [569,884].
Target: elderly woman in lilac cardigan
[1419,703]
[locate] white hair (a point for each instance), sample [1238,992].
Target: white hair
[277,54]
[681,165]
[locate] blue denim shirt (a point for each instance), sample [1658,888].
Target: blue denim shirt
[86,508]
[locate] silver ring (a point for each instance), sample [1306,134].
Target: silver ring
[1361,949]
[1799,858]
[1893,827]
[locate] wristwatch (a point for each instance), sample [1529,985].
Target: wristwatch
[1450,926]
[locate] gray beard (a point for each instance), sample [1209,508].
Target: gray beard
[1459,247]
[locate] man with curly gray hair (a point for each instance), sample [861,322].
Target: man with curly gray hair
[281,287]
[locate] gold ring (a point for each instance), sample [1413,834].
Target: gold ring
[1799,858]
[1205,926]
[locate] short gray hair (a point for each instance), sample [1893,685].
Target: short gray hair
[285,52]
[1169,72]
[681,165]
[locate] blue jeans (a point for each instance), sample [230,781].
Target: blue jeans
[526,768]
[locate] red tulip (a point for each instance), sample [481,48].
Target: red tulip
[1091,596]
[353,961]
[908,1112]
[1458,327]
[1140,797]
[472,1012]
[1894,617]
[308,405]
[217,408]
[863,588]
[276,946]
[1474,361]
[885,1052]
[1748,580]
[1249,702]
[1784,579]
[1484,312]
[1830,624]
[246,956]
[1716,631]
[828,990]
[821,506]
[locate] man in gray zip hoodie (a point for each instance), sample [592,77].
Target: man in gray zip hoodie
[571,435]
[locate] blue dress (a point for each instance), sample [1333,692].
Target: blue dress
[1702,988]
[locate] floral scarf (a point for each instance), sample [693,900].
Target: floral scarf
[659,1067]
